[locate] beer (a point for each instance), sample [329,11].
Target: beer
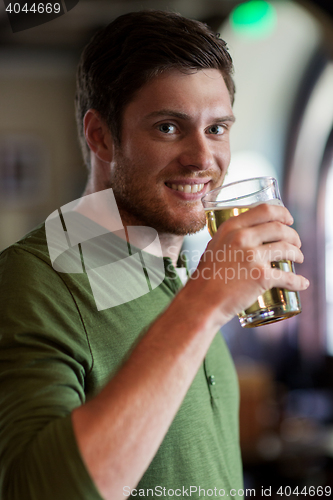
[275,304]
[217,216]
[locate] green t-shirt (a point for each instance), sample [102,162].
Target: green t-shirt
[57,350]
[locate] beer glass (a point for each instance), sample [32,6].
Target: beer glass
[231,200]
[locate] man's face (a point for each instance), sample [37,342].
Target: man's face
[174,149]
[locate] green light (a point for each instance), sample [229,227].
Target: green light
[254,19]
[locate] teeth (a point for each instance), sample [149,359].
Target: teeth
[187,188]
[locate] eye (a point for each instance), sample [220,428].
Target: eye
[216,129]
[167,128]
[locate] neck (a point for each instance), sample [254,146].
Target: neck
[170,243]
[171,246]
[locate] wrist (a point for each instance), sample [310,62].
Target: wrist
[204,302]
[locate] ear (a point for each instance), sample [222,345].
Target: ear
[98,136]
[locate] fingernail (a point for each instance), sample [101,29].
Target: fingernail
[307,283]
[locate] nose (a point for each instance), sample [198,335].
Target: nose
[196,152]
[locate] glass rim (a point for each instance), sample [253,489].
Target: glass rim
[238,182]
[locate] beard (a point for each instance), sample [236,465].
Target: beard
[146,206]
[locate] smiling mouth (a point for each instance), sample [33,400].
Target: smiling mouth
[186,188]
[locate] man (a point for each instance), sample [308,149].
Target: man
[140,398]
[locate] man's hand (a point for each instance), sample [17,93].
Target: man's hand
[236,266]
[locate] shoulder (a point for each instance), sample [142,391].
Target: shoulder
[27,277]
[36,300]
[27,256]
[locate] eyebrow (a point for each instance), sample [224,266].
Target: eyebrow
[185,116]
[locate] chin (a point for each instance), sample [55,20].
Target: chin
[184,226]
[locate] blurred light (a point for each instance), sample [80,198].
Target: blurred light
[246,164]
[254,19]
[329,259]
[269,446]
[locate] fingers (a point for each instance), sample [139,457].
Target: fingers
[281,279]
[273,240]
[269,233]
[262,255]
[261,214]
[275,252]
[255,227]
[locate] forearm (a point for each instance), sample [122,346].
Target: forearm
[120,430]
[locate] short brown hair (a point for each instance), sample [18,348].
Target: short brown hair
[134,48]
